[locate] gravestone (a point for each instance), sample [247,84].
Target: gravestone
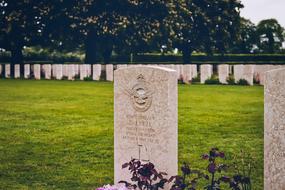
[194,71]
[7,71]
[71,71]
[259,73]
[17,71]
[83,71]
[58,71]
[65,70]
[223,71]
[145,118]
[244,72]
[206,72]
[27,71]
[97,71]
[1,70]
[186,73]
[109,72]
[274,130]
[47,69]
[37,71]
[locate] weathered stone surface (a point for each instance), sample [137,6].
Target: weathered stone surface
[97,71]
[37,71]
[88,70]
[1,70]
[76,69]
[27,71]
[83,71]
[57,68]
[65,70]
[244,72]
[145,118]
[122,66]
[71,71]
[47,71]
[206,72]
[248,73]
[7,71]
[17,71]
[186,73]
[109,72]
[223,71]
[274,130]
[259,73]
[194,71]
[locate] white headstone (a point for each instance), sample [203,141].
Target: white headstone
[65,70]
[244,72]
[274,130]
[109,72]
[7,71]
[194,71]
[27,71]
[37,71]
[83,71]
[17,71]
[71,71]
[187,73]
[1,70]
[206,71]
[145,118]
[97,71]
[58,71]
[76,69]
[47,71]
[223,71]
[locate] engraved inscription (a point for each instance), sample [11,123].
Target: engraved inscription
[141,94]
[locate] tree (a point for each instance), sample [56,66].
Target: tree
[246,37]
[105,24]
[21,25]
[271,36]
[203,25]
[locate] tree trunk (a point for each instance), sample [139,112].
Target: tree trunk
[186,54]
[91,48]
[16,58]
[107,55]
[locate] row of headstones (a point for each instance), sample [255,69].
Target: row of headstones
[185,73]
[146,122]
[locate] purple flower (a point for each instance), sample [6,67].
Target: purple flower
[212,167]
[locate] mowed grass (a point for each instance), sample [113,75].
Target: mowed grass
[59,134]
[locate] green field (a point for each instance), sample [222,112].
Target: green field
[59,134]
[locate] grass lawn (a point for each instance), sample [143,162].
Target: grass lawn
[59,134]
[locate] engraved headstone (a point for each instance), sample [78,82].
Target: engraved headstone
[274,130]
[109,72]
[27,71]
[206,72]
[37,71]
[17,71]
[97,71]
[7,71]
[223,71]
[145,118]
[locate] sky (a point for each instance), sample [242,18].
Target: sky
[257,10]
